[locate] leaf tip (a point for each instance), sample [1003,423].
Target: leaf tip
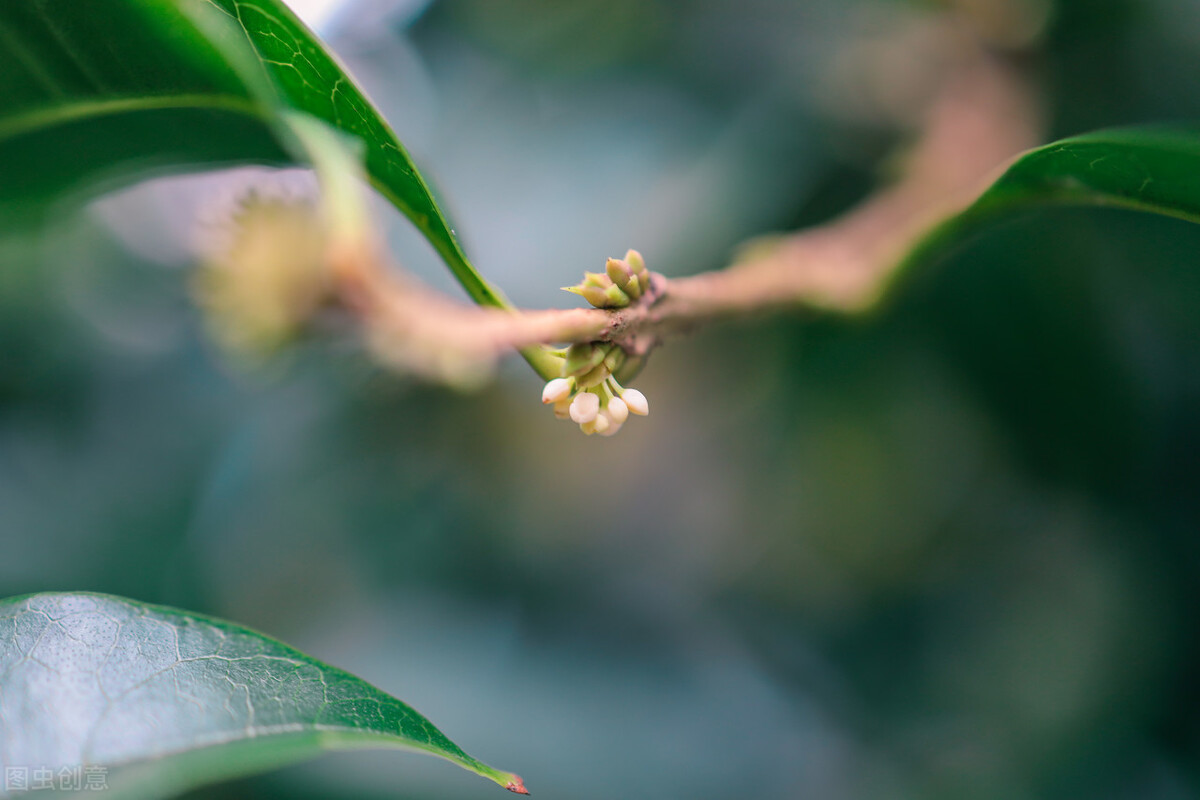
[516,785]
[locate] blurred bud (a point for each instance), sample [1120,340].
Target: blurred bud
[598,425]
[635,261]
[265,284]
[629,369]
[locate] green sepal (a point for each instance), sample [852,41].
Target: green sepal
[583,358]
[614,359]
[594,378]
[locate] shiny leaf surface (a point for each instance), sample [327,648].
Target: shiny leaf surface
[155,700]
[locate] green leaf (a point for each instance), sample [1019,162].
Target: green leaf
[1144,169]
[156,701]
[109,91]
[1155,170]
[98,94]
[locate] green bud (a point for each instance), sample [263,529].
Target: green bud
[614,359]
[618,271]
[625,277]
[635,261]
[593,294]
[615,297]
[583,358]
[638,265]
[596,376]
[630,368]
[623,281]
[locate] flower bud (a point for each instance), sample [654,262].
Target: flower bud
[636,401]
[556,390]
[585,407]
[635,261]
[598,425]
[615,297]
[618,271]
[623,281]
[562,409]
[594,295]
[626,277]
[617,411]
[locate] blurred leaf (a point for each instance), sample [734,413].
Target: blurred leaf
[1142,169]
[104,92]
[166,700]
[110,92]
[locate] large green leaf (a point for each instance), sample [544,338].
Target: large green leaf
[112,91]
[1156,170]
[151,700]
[1145,169]
[104,92]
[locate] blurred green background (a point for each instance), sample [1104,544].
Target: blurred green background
[950,550]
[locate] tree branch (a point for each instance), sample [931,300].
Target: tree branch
[981,115]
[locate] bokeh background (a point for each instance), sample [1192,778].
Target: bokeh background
[948,550]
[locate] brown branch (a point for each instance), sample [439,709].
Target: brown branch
[982,115]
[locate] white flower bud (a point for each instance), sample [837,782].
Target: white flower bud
[598,425]
[556,390]
[562,409]
[613,425]
[617,411]
[636,401]
[585,407]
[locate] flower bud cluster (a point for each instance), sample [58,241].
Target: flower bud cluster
[623,281]
[588,394]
